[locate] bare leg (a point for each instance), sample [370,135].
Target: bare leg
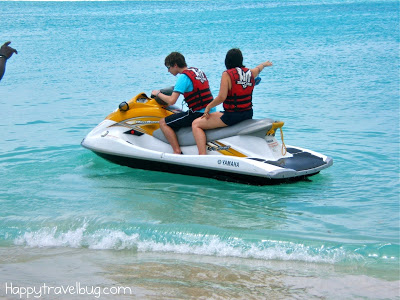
[201,124]
[171,136]
[199,136]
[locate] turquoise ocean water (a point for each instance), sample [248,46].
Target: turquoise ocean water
[68,216]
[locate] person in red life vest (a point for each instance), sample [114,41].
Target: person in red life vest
[236,90]
[194,86]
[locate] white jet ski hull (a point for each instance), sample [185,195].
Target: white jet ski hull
[260,164]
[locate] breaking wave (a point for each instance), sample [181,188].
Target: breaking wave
[151,240]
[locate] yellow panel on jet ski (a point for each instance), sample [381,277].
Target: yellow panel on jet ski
[228,151]
[143,124]
[140,106]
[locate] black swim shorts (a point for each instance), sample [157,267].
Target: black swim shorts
[183,119]
[232,118]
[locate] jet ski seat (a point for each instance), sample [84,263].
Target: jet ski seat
[252,127]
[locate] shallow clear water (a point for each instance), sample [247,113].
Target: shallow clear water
[67,215]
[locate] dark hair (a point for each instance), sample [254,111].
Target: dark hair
[175,58]
[234,58]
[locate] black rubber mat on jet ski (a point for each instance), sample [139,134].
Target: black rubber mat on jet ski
[293,150]
[299,162]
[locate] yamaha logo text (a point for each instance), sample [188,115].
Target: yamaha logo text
[228,163]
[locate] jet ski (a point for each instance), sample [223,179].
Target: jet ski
[247,152]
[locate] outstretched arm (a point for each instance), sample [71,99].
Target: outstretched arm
[2,66]
[257,70]
[5,53]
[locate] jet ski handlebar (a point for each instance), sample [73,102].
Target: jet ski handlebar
[166,91]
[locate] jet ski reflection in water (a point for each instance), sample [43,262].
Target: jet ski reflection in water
[247,152]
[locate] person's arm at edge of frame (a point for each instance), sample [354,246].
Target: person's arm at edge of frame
[5,53]
[3,60]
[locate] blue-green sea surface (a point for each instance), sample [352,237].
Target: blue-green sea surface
[68,216]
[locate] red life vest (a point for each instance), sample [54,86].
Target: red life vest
[240,96]
[201,95]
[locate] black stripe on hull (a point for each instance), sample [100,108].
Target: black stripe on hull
[194,171]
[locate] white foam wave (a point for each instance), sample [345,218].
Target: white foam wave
[270,250]
[112,239]
[183,243]
[101,239]
[48,237]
